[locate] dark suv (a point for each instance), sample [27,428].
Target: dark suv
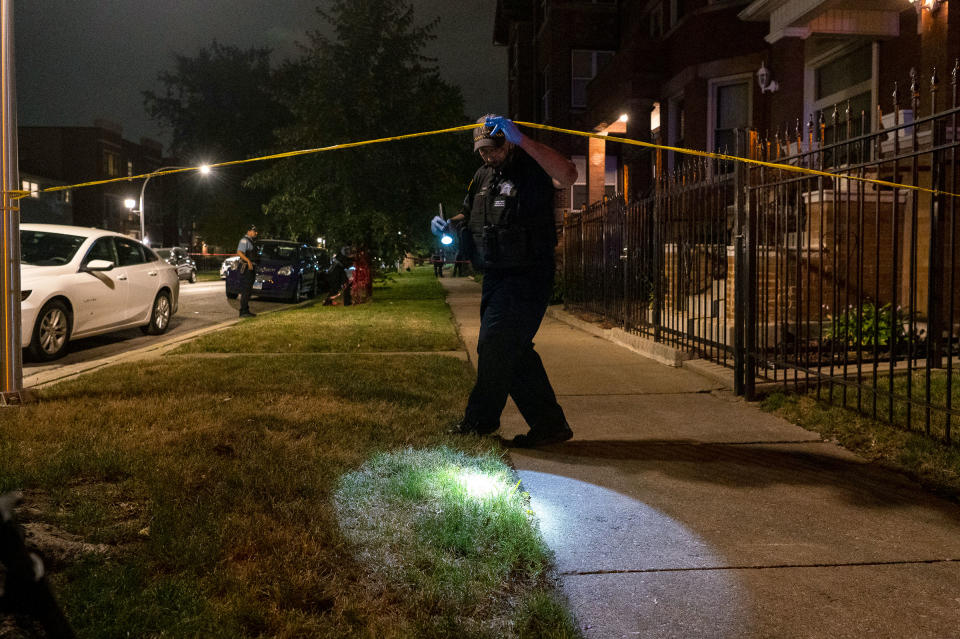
[178,258]
[285,270]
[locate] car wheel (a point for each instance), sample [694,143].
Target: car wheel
[159,316]
[193,277]
[51,332]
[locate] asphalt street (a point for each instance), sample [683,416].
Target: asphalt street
[202,304]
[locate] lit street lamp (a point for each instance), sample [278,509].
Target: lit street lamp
[204,170]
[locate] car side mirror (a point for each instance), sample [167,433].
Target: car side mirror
[98,265]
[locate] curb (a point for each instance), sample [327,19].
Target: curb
[646,347]
[641,345]
[59,374]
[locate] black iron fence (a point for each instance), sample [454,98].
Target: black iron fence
[835,284]
[658,266]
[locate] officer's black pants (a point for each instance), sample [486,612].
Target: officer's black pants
[512,305]
[246,288]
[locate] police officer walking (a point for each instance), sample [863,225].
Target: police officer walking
[510,236]
[247,252]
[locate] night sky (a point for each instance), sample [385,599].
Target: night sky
[78,60]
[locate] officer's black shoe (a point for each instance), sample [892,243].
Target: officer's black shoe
[248,314]
[464,427]
[537,438]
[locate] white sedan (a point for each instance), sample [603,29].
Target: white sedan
[77,282]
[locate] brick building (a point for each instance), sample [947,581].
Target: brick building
[55,156]
[688,72]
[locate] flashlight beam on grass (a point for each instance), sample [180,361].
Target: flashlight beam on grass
[481,485]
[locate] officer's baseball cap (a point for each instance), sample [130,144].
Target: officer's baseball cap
[253,227]
[482,137]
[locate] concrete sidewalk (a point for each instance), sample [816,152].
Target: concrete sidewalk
[678,510]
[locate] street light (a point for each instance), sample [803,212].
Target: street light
[204,170]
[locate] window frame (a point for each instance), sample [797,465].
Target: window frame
[812,105]
[143,254]
[595,69]
[714,85]
[106,240]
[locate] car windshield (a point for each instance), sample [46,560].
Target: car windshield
[41,248]
[278,252]
[164,253]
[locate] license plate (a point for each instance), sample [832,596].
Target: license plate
[258,285]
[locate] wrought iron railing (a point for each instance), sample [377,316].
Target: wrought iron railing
[842,286]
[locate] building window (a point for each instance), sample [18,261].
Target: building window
[578,192]
[835,77]
[610,176]
[729,111]
[584,66]
[129,167]
[848,76]
[30,187]
[111,164]
[579,195]
[656,21]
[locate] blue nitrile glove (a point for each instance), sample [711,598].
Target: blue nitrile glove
[438,225]
[509,129]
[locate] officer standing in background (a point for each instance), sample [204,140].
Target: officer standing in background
[510,235]
[437,258]
[247,251]
[337,278]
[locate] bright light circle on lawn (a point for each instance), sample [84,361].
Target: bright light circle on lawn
[480,485]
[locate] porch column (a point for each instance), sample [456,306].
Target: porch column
[596,167]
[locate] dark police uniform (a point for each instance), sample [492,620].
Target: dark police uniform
[511,236]
[247,275]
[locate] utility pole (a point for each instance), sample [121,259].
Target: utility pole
[11,356]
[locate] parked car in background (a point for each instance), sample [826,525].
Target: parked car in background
[77,282]
[285,270]
[178,258]
[228,265]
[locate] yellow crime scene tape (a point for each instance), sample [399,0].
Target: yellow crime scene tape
[18,194]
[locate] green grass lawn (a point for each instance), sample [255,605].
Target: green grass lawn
[408,314]
[282,495]
[208,276]
[926,457]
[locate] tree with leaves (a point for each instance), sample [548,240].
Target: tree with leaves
[220,105]
[369,81]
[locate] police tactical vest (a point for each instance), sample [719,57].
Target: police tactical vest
[501,233]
